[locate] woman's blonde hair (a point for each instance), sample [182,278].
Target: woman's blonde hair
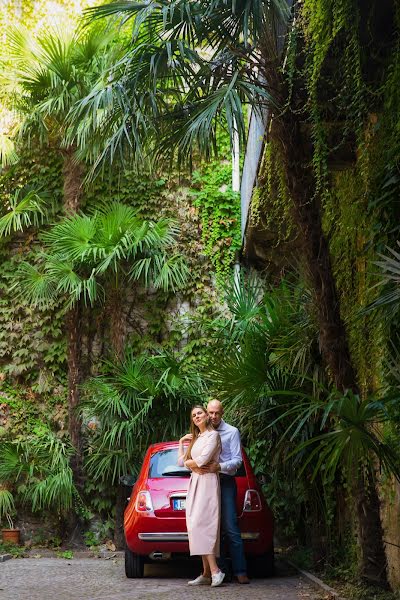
[195,431]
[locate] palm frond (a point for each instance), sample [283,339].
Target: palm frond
[50,73]
[190,69]
[8,153]
[55,492]
[71,283]
[72,237]
[354,438]
[27,207]
[35,285]
[7,504]
[142,399]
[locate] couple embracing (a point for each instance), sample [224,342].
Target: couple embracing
[213,456]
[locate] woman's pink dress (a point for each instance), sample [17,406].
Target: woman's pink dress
[203,501]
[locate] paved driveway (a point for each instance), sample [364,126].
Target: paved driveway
[99,579]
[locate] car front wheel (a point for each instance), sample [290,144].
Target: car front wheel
[134,564]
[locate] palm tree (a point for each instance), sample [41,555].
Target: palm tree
[38,469]
[94,257]
[89,258]
[142,399]
[49,75]
[269,371]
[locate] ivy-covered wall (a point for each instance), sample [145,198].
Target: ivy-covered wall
[351,75]
[32,341]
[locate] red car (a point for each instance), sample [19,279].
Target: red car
[155,523]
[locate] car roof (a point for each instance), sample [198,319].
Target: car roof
[163,445]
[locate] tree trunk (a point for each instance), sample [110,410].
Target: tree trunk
[72,175]
[74,342]
[117,336]
[370,533]
[119,536]
[117,320]
[72,191]
[297,156]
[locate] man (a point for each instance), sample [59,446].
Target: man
[230,461]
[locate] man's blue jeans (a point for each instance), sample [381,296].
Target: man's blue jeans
[230,528]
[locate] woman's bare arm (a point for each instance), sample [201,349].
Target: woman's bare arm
[181,451]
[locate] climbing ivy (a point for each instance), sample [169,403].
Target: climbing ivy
[350,227]
[32,344]
[219,209]
[334,78]
[34,352]
[270,205]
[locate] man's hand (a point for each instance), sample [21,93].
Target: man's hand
[212,467]
[197,470]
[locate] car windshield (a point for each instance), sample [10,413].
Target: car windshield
[165,464]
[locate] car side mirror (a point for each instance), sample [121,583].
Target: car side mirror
[127,480]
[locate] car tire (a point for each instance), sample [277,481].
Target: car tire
[264,564]
[134,565]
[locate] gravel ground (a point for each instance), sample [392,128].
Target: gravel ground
[99,579]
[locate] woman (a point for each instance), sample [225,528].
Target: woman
[203,502]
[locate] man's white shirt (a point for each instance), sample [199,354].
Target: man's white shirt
[231,453]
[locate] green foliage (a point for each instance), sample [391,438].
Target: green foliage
[99,495]
[90,538]
[7,506]
[140,400]
[32,344]
[219,209]
[351,227]
[285,494]
[67,554]
[203,90]
[264,351]
[113,241]
[333,69]
[48,74]
[23,411]
[354,440]
[38,467]
[9,548]
[271,204]
[302,557]
[27,207]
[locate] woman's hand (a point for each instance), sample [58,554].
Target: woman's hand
[186,438]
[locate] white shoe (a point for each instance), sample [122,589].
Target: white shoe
[217,579]
[200,580]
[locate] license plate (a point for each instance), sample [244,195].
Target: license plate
[179,503]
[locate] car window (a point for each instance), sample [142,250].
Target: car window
[165,464]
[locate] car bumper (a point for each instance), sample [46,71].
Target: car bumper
[175,536]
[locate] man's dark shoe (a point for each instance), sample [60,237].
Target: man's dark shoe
[242,579]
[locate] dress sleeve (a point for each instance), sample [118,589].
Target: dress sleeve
[212,443]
